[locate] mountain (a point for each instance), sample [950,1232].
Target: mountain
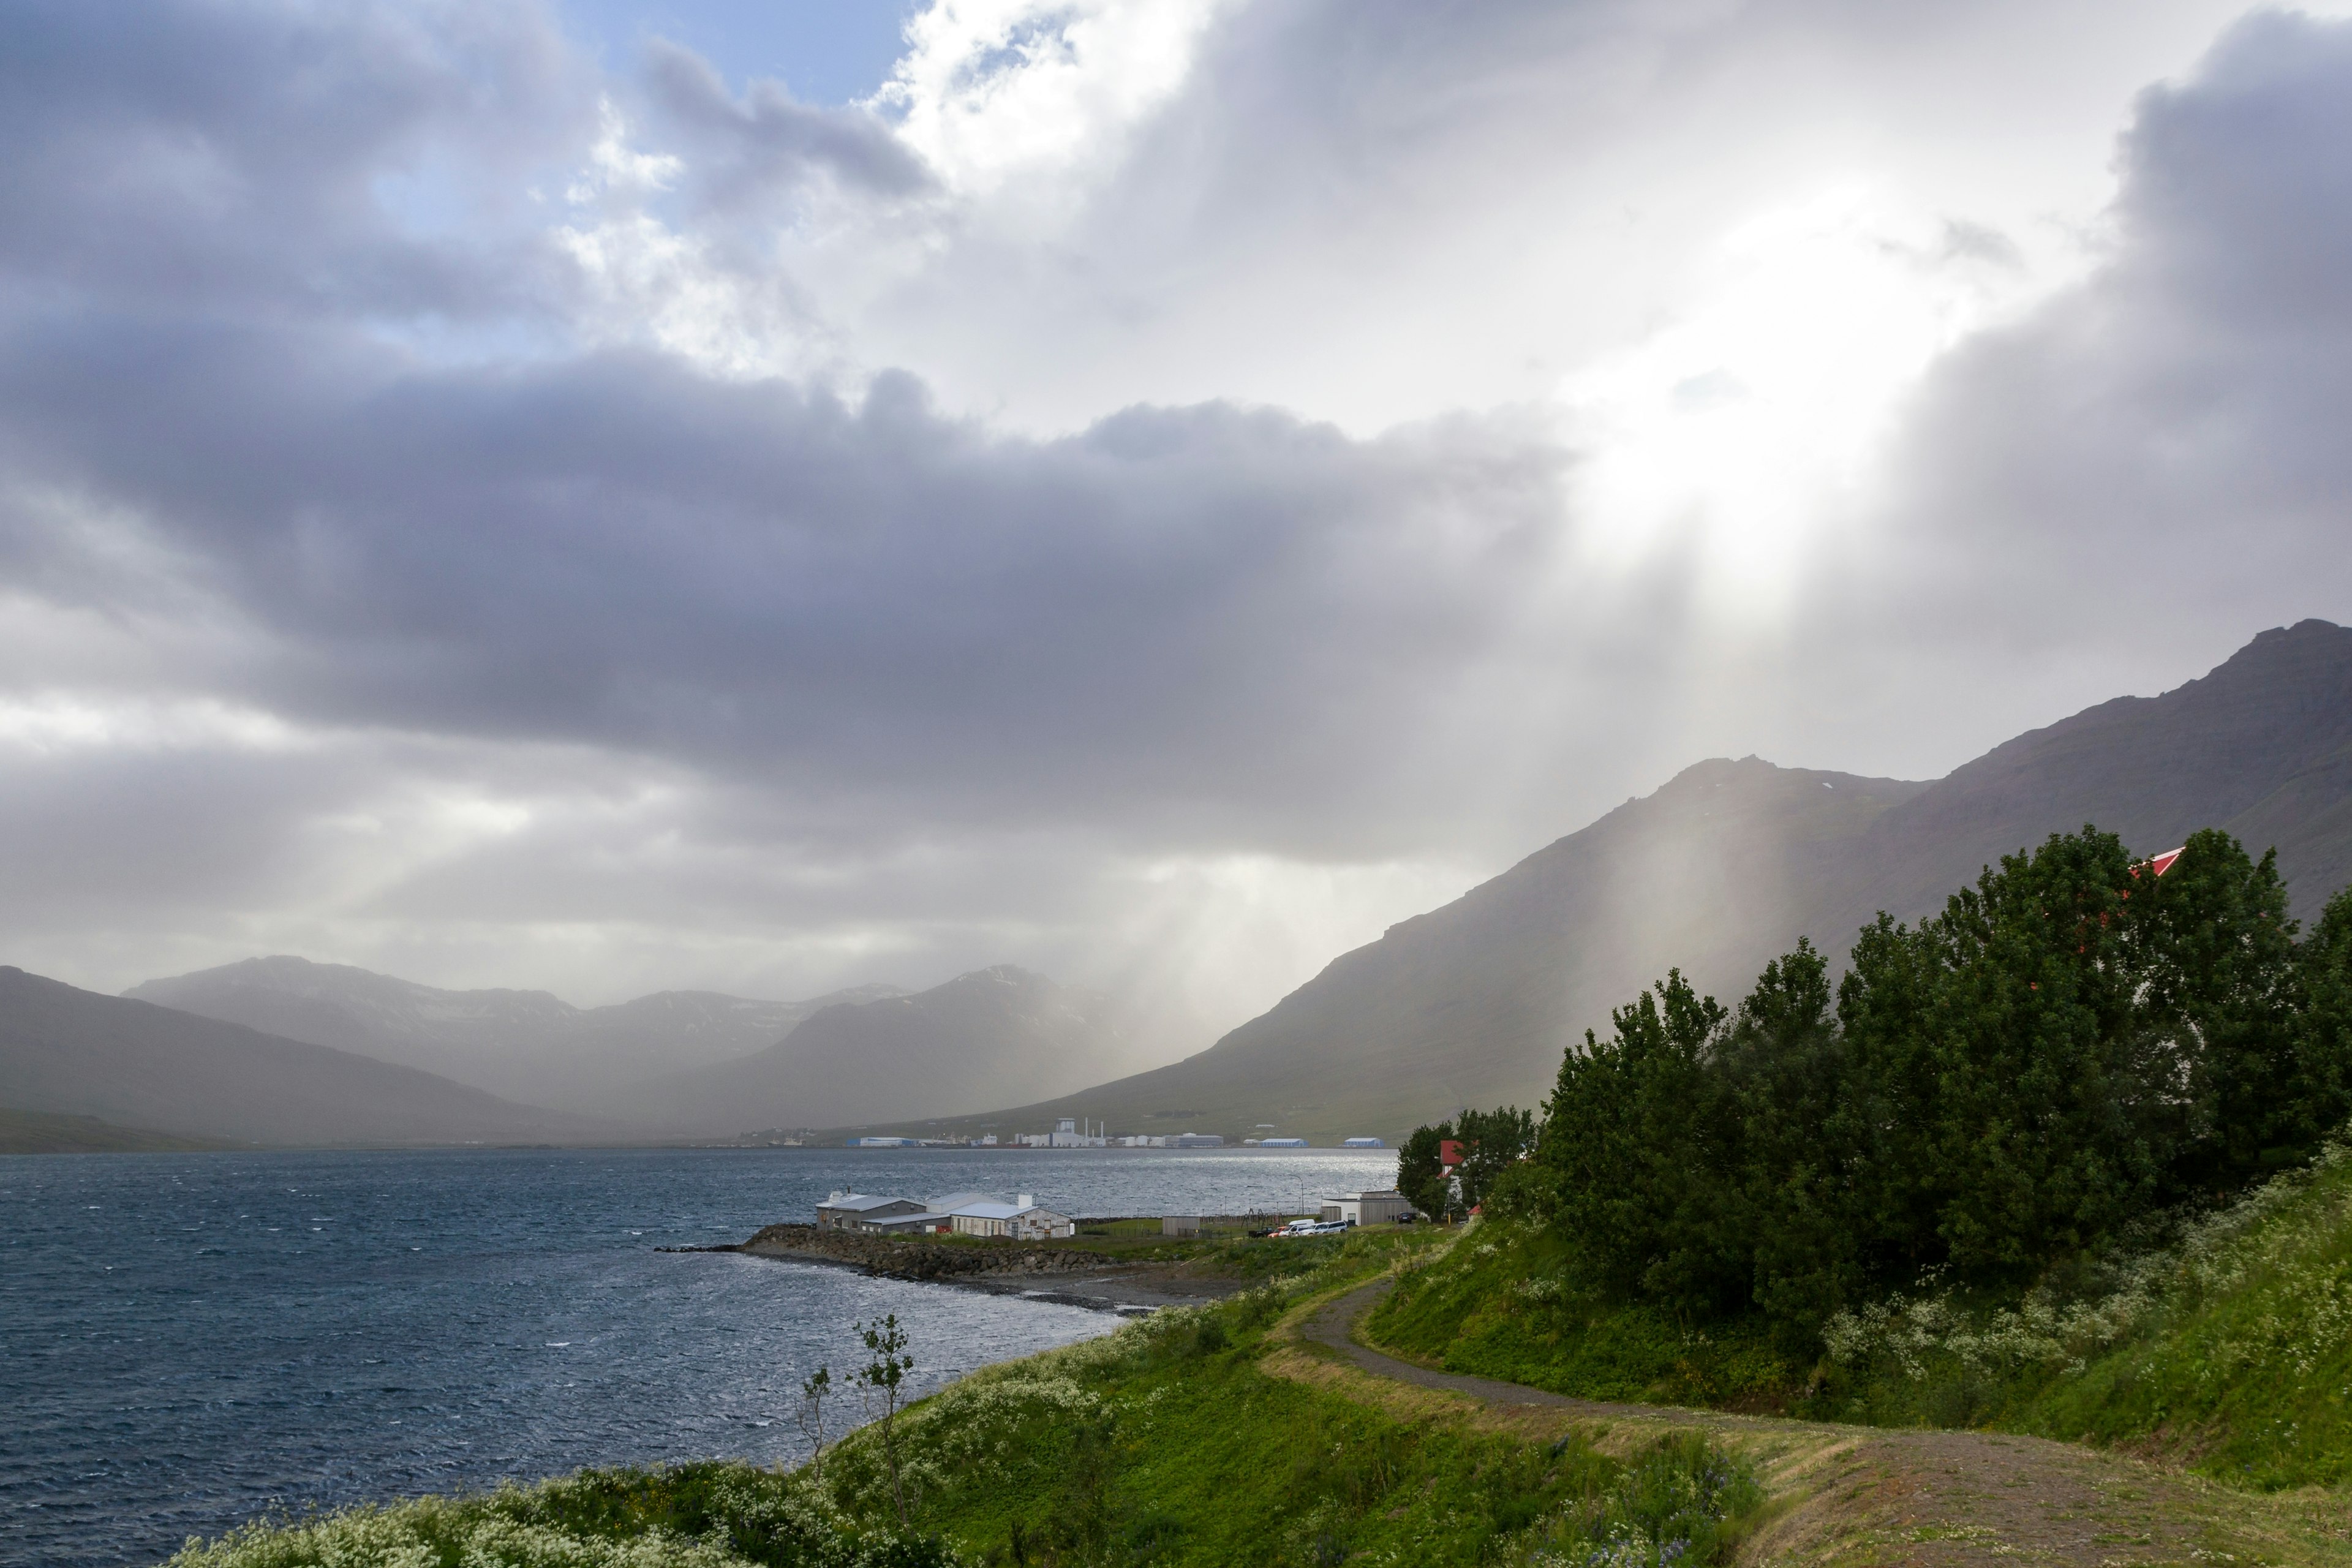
[526,1044]
[2261,746]
[1726,865]
[76,1053]
[988,1038]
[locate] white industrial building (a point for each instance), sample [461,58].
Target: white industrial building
[1368,1208]
[960,1214]
[1021,1220]
[1067,1134]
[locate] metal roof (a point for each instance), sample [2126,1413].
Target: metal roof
[858,1202]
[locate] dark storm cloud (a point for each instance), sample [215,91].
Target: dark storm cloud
[2159,453]
[861,596]
[765,146]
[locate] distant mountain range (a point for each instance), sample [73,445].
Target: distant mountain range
[524,1045]
[688,1063]
[68,1052]
[1726,867]
[991,1036]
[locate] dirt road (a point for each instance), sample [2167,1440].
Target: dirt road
[1851,1496]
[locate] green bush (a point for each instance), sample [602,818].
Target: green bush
[687,1516]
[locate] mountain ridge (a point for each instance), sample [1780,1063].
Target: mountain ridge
[916,1055]
[68,1052]
[518,1044]
[1723,867]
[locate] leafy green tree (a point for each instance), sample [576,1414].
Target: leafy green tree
[1625,1135]
[2218,1004]
[1421,1177]
[810,1417]
[2070,1043]
[1790,1169]
[884,1373]
[2321,1100]
[1491,1143]
[2043,1128]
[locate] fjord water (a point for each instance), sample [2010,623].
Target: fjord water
[188,1340]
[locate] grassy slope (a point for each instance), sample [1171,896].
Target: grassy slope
[2232,1351]
[2243,1362]
[46,1133]
[1499,1305]
[1167,1443]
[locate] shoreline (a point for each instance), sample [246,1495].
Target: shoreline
[1078,1279]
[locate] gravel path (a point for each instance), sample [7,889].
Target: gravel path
[1872,1495]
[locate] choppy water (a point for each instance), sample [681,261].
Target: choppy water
[189,1340]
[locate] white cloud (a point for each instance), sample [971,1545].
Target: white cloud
[1046,90]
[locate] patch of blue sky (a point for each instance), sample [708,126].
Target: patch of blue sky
[828,52]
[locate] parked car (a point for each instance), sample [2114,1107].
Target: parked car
[1316,1228]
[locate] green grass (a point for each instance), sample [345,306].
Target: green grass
[2228,1347]
[1165,1443]
[1504,1303]
[2231,1350]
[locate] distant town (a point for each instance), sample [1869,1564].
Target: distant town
[1024,1219]
[1071,1133]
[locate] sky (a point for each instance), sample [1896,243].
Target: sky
[617,497]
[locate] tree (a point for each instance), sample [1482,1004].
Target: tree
[1789,1171]
[2323,1027]
[810,1417]
[2071,1044]
[885,1371]
[1421,1177]
[1627,1136]
[2219,1002]
[1491,1143]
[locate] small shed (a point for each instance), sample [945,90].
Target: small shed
[1180,1224]
[1368,1208]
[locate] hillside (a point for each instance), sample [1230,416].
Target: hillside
[42,1132]
[523,1045]
[990,1036]
[2222,1350]
[1726,865]
[75,1053]
[1256,1430]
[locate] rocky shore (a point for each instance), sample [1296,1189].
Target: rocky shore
[911,1259]
[1070,1276]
